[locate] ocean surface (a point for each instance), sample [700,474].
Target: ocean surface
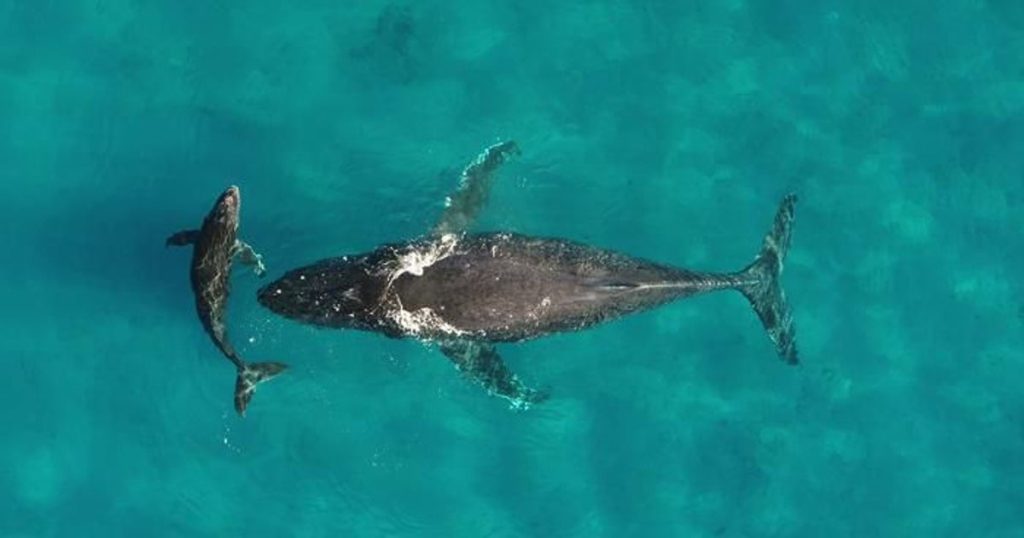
[668,130]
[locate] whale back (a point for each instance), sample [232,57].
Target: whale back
[505,287]
[494,287]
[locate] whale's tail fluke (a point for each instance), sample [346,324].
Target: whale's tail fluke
[760,284]
[250,375]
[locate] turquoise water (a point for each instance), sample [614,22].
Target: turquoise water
[668,130]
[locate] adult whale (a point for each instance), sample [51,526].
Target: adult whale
[215,246]
[470,291]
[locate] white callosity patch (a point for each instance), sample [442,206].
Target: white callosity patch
[423,322]
[351,295]
[535,313]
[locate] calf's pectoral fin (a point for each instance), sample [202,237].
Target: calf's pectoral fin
[248,256]
[465,204]
[182,238]
[483,364]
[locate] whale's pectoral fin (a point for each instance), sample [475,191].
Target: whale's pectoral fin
[182,238]
[483,364]
[462,207]
[248,256]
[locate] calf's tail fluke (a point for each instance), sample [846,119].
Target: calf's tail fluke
[760,283]
[250,375]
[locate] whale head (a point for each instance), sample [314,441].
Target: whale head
[338,292]
[226,209]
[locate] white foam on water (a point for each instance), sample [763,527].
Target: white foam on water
[226,435]
[423,322]
[415,261]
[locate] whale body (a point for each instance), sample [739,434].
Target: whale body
[491,287]
[470,291]
[215,245]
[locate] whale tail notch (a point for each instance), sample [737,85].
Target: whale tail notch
[760,284]
[249,376]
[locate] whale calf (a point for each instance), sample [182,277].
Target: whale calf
[468,292]
[214,246]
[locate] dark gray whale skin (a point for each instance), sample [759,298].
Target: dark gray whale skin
[491,287]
